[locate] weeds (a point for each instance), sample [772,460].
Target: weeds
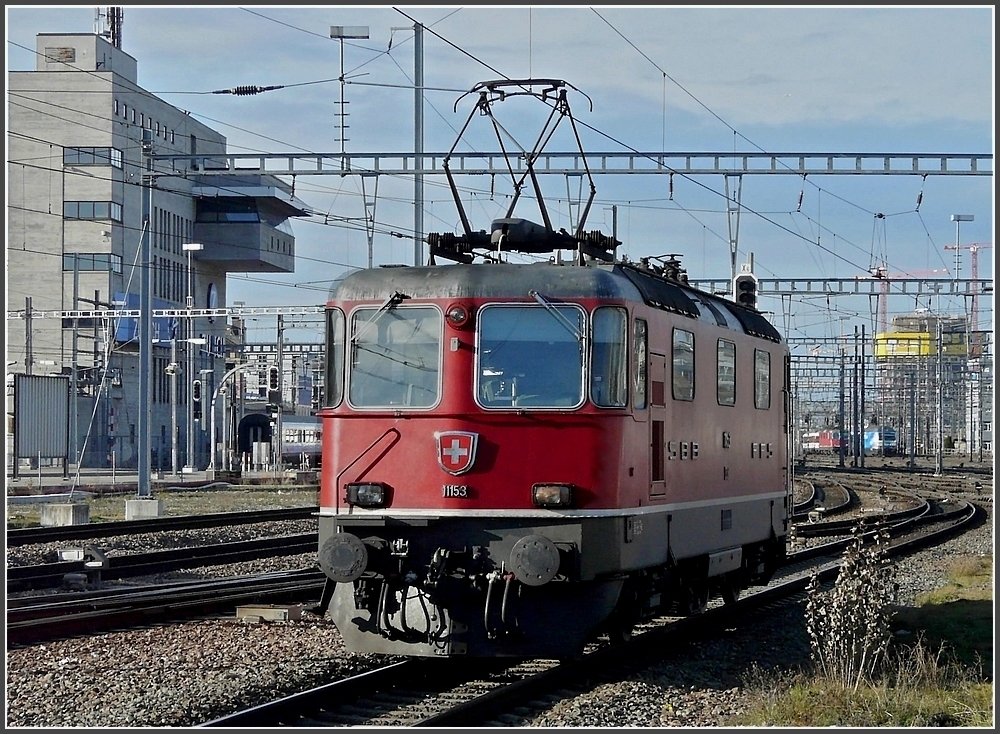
[848,626]
[860,677]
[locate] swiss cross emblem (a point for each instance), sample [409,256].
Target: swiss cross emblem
[456,450]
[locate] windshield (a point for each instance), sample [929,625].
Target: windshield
[395,357]
[528,357]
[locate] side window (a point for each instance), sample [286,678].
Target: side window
[640,348]
[762,379]
[726,380]
[334,392]
[683,365]
[609,358]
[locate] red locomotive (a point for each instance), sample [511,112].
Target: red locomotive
[826,441]
[519,457]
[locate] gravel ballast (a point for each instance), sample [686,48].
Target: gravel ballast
[183,674]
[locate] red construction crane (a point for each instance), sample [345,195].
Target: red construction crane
[975,342]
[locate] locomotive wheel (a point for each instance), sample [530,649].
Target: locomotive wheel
[730,588]
[695,599]
[619,632]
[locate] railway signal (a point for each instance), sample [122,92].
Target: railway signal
[745,289]
[196,398]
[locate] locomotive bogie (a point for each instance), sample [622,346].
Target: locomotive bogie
[506,619]
[457,573]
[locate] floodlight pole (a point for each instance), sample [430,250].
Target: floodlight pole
[173,405]
[189,247]
[340,32]
[143,488]
[418,143]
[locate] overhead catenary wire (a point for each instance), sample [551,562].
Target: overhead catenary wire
[664,74]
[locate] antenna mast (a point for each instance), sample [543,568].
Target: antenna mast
[109,25]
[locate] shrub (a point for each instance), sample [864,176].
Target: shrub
[849,625]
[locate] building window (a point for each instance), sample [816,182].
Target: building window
[92,261]
[64,54]
[92,157]
[231,210]
[92,210]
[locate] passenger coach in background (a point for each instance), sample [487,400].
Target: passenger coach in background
[301,441]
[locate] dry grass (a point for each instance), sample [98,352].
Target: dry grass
[939,678]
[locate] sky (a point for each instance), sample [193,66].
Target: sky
[883,79]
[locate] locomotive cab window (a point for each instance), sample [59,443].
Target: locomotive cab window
[726,381]
[639,340]
[683,361]
[609,358]
[530,356]
[335,362]
[762,379]
[395,357]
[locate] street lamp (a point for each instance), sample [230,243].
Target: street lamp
[190,247]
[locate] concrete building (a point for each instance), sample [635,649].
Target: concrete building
[915,375]
[81,135]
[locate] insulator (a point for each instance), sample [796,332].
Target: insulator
[247,89]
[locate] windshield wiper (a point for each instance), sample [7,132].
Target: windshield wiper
[566,323]
[390,303]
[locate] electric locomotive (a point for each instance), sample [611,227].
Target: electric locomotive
[518,457]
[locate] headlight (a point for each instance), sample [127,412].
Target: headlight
[368,494]
[458,315]
[552,495]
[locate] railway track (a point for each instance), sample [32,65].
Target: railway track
[449,693]
[36,619]
[26,536]
[96,566]
[835,498]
